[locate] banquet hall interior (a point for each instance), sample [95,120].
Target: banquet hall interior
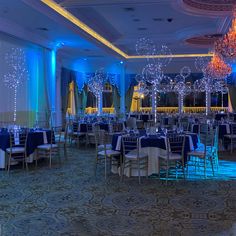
[117,117]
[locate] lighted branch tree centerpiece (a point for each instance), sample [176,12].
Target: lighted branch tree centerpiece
[181,88]
[152,72]
[214,71]
[17,73]
[95,85]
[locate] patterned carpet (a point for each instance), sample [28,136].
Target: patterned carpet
[68,200]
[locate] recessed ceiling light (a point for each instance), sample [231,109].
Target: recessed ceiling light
[142,28]
[157,19]
[129,9]
[42,28]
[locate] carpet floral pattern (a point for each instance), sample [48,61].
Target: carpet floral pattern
[69,200]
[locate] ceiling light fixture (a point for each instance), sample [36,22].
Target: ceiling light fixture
[66,14]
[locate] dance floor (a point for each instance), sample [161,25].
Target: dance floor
[68,200]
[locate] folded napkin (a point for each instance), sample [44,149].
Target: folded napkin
[17,138]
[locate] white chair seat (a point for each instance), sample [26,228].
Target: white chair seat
[109,153]
[102,147]
[172,156]
[133,155]
[230,136]
[198,153]
[16,150]
[47,146]
[78,133]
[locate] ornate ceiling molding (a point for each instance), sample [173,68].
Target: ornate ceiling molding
[214,8]
[204,40]
[211,5]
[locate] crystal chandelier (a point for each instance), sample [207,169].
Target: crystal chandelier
[226,46]
[217,68]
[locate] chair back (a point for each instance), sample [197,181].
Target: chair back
[175,144]
[52,137]
[233,129]
[131,123]
[75,126]
[208,139]
[101,138]
[18,138]
[130,144]
[89,128]
[58,133]
[117,127]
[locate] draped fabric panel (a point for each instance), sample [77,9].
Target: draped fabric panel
[116,99]
[130,82]
[232,93]
[78,99]
[128,98]
[65,80]
[84,98]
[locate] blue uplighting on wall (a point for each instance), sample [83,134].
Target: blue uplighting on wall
[53,79]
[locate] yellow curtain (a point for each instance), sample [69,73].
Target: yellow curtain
[71,100]
[232,94]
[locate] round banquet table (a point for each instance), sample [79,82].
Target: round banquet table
[35,138]
[154,146]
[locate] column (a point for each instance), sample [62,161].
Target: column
[122,90]
[100,103]
[208,103]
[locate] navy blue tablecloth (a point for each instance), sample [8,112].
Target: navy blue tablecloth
[144,117]
[159,142]
[219,116]
[34,139]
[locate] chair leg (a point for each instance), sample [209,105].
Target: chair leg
[187,165]
[26,164]
[176,170]
[36,159]
[146,168]
[167,171]
[121,166]
[50,159]
[212,167]
[9,163]
[205,166]
[139,179]
[65,151]
[105,167]
[231,148]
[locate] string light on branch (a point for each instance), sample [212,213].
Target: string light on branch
[18,73]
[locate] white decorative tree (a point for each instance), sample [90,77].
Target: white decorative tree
[17,72]
[96,84]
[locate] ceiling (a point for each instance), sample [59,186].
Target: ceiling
[182,25]
[164,21]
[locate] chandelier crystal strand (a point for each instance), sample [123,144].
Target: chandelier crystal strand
[217,68]
[226,46]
